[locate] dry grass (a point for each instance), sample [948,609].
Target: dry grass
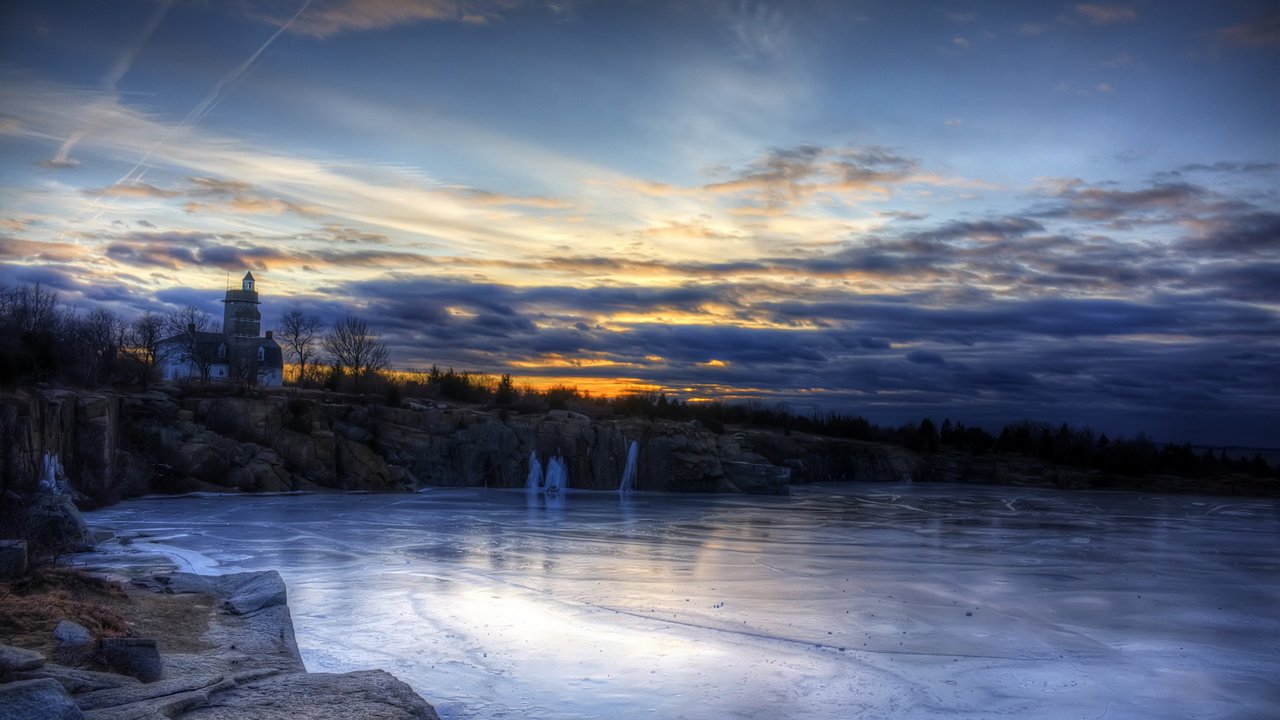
[31,607]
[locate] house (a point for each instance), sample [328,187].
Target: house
[235,355]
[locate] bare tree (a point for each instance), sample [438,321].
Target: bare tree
[29,308]
[32,323]
[99,336]
[143,345]
[299,332]
[184,319]
[354,349]
[185,326]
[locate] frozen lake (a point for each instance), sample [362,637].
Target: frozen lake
[848,601]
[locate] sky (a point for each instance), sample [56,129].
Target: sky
[983,211]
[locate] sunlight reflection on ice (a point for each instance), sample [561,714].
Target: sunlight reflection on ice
[849,601]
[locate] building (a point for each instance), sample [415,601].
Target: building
[235,355]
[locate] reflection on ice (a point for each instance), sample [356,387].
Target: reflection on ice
[901,601]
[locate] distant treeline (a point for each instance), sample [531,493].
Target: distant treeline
[46,341]
[1063,444]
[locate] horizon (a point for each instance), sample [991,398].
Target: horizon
[985,211]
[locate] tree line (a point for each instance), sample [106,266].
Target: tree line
[48,340]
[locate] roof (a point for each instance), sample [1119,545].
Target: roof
[207,346]
[248,276]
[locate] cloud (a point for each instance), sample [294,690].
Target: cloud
[59,163]
[1259,32]
[208,195]
[923,357]
[1225,166]
[99,113]
[1100,203]
[994,229]
[389,198]
[1243,234]
[1105,14]
[325,18]
[487,197]
[997,359]
[37,251]
[787,176]
[758,29]
[135,190]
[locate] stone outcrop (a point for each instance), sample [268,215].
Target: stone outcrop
[168,441]
[36,700]
[249,667]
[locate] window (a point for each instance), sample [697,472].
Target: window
[262,353]
[222,351]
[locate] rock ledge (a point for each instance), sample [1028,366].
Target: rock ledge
[250,668]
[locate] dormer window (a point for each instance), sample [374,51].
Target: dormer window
[262,353]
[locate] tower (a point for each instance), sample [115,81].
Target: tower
[240,316]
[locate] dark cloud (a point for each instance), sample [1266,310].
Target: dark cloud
[999,229]
[786,175]
[1098,203]
[924,357]
[1251,233]
[1258,32]
[1048,357]
[1246,282]
[1105,14]
[1231,167]
[165,256]
[1049,313]
[48,276]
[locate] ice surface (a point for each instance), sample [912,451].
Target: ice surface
[854,601]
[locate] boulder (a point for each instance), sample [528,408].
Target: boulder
[77,681]
[360,468]
[135,657]
[250,592]
[13,558]
[73,643]
[758,478]
[13,659]
[163,699]
[318,696]
[177,584]
[42,699]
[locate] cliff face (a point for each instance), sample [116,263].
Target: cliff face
[120,445]
[80,430]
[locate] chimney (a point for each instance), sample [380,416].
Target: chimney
[191,328]
[269,334]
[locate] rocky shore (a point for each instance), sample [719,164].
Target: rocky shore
[213,648]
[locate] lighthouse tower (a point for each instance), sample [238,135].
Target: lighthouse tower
[240,316]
